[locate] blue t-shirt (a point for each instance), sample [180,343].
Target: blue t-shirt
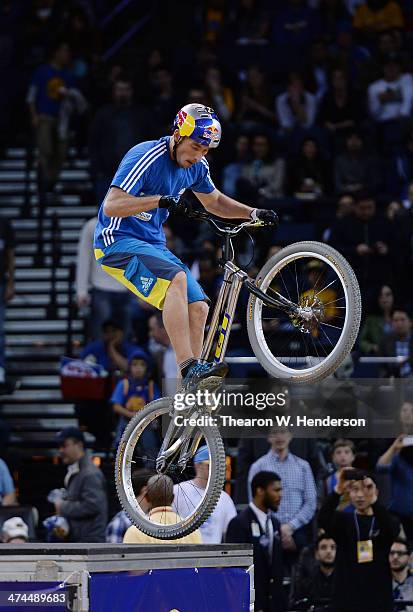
[95,352]
[134,394]
[47,80]
[147,169]
[6,481]
[401,473]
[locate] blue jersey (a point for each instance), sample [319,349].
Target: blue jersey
[147,169]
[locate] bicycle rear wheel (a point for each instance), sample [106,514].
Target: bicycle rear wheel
[193,503]
[321,282]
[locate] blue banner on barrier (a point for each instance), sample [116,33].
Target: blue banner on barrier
[171,590]
[27,596]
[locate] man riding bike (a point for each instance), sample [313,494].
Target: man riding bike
[129,238]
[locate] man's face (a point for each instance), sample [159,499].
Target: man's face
[157,332]
[345,206]
[70,451]
[398,557]
[122,93]
[242,145]
[387,43]
[272,496]
[112,334]
[280,440]
[63,55]
[391,71]
[406,415]
[354,143]
[189,152]
[343,456]
[202,471]
[360,490]
[260,147]
[401,323]
[365,209]
[326,552]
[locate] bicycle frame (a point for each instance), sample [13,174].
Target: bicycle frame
[234,279]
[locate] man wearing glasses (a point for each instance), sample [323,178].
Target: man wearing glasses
[399,557]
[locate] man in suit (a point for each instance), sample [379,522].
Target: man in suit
[257,525]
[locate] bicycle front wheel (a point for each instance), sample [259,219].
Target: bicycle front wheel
[196,489]
[309,347]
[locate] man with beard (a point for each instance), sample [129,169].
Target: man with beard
[362,581]
[316,586]
[402,577]
[257,525]
[398,462]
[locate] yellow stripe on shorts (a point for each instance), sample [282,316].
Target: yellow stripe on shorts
[157,295]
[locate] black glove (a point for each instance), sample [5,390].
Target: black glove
[269,217]
[169,202]
[178,204]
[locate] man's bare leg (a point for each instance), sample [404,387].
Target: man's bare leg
[198,313]
[176,318]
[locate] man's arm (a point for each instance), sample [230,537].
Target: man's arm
[9,499]
[221,205]
[386,459]
[118,203]
[92,499]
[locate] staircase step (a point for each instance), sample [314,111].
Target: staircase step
[33,424]
[49,327]
[40,410]
[40,340]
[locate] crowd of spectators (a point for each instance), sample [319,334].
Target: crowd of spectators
[316,101]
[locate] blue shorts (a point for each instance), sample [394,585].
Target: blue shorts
[147,270]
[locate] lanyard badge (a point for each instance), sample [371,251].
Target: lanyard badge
[364,547]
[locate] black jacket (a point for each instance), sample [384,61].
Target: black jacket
[360,586]
[268,577]
[86,505]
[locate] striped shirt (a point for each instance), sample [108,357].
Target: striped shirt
[298,501]
[147,169]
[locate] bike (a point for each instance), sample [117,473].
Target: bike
[303,317]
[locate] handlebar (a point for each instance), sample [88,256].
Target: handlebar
[223,227]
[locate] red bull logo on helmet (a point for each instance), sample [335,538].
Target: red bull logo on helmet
[180,120]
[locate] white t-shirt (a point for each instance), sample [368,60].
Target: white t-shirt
[400,106]
[188,496]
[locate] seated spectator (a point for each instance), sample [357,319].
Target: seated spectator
[120,523]
[257,525]
[354,169]
[298,504]
[389,43]
[295,26]
[208,274]
[220,97]
[15,531]
[378,324]
[375,16]
[339,111]
[391,97]
[362,579]
[402,575]
[160,497]
[232,171]
[108,299]
[398,343]
[187,495]
[7,491]
[248,23]
[316,587]
[112,352]
[85,504]
[398,462]
[345,207]
[390,101]
[307,174]
[115,128]
[131,395]
[364,239]
[296,107]
[256,102]
[344,454]
[263,177]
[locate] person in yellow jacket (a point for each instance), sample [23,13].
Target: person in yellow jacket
[160,496]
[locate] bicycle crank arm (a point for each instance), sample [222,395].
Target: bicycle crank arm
[279,302]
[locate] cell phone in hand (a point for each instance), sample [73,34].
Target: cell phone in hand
[354,474]
[407,441]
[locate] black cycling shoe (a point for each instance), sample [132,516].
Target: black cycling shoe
[201,373]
